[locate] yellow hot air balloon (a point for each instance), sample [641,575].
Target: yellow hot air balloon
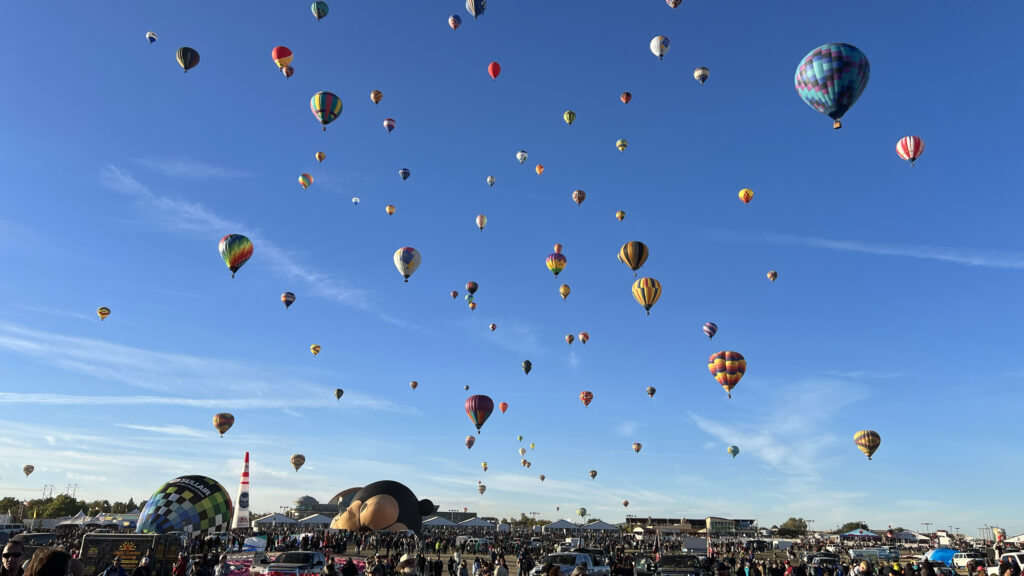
[564,291]
[103,312]
[532,445]
[390,209]
[481,221]
[484,466]
[867,441]
[646,291]
[320,156]
[633,254]
[223,422]
[315,349]
[297,461]
[569,116]
[620,215]
[746,195]
[621,144]
[376,96]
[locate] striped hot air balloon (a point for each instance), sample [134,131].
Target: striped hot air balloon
[223,422]
[479,408]
[867,441]
[633,254]
[910,148]
[282,56]
[326,106]
[586,397]
[556,263]
[646,291]
[728,368]
[710,328]
[188,58]
[701,74]
[236,250]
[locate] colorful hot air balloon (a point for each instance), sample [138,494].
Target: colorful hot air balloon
[479,408]
[592,474]
[637,447]
[407,260]
[746,195]
[556,263]
[583,337]
[151,36]
[476,7]
[297,461]
[633,254]
[390,209]
[621,144]
[558,248]
[522,156]
[472,287]
[389,124]
[192,506]
[910,148]
[659,46]
[103,312]
[569,339]
[503,406]
[470,440]
[481,221]
[620,215]
[326,106]
[625,97]
[236,250]
[733,450]
[867,441]
[710,329]
[539,169]
[320,156]
[569,116]
[494,69]
[651,390]
[315,349]
[472,305]
[772,275]
[674,3]
[490,180]
[701,74]
[484,466]
[223,422]
[831,78]
[586,397]
[376,96]
[564,291]
[404,174]
[646,291]
[481,488]
[282,56]
[288,71]
[319,9]
[469,297]
[493,327]
[338,393]
[519,437]
[527,366]
[578,196]
[188,58]
[288,299]
[728,368]
[581,512]
[455,21]
[305,180]
[28,469]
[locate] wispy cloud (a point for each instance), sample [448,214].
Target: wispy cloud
[277,403]
[865,374]
[194,169]
[168,430]
[964,256]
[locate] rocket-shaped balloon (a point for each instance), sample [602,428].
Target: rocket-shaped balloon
[240,519]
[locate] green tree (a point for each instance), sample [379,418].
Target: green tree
[793,527]
[852,526]
[63,505]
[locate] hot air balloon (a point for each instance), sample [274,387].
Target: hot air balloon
[481,489]
[476,7]
[493,327]
[472,287]
[151,36]
[659,46]
[470,440]
[674,3]
[404,174]
[593,474]
[578,196]
[355,200]
[466,387]
[503,406]
[472,305]
[522,452]
[569,339]
[651,390]
[625,503]
[192,506]
[338,393]
[620,215]
[541,476]
[519,437]
[319,9]
[710,329]
[557,248]
[315,349]
[646,291]
[484,466]
[490,180]
[746,195]
[455,21]
[831,78]
[564,291]
[910,148]
[297,461]
[581,512]
[479,408]
[532,445]
[414,384]
[527,366]
[407,260]
[586,397]
[103,312]
[236,250]
[556,263]
[223,422]
[455,294]
[637,447]
[481,221]
[287,299]
[772,275]
[733,450]
[326,106]
[522,156]
[569,116]
[376,96]
[320,156]
[305,180]
[583,337]
[701,74]
[389,124]
[621,144]
[728,368]
[633,254]
[187,58]
[390,209]
[469,298]
[282,56]
[625,97]
[867,441]
[494,69]
[539,169]
[27,469]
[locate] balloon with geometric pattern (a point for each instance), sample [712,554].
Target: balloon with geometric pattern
[195,506]
[831,78]
[728,368]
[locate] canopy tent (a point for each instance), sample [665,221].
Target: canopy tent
[560,525]
[860,533]
[909,536]
[77,520]
[438,522]
[315,519]
[476,523]
[601,525]
[274,519]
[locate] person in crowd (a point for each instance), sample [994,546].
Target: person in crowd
[143,568]
[53,562]
[13,556]
[222,568]
[115,568]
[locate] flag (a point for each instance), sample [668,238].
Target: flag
[25,503]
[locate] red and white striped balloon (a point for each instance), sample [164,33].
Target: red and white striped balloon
[910,148]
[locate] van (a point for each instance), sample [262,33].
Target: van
[960,559]
[11,529]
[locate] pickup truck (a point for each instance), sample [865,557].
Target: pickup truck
[1014,559]
[567,561]
[293,564]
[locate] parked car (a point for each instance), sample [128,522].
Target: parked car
[961,559]
[297,564]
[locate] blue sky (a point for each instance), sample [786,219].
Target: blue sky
[895,307]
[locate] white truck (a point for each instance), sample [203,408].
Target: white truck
[887,553]
[1013,558]
[567,561]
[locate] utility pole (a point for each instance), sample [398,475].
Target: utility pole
[47,491]
[71,490]
[926,525]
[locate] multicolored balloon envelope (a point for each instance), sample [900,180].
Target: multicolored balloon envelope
[236,250]
[831,78]
[867,441]
[479,408]
[910,148]
[647,291]
[407,260]
[326,106]
[728,368]
[196,506]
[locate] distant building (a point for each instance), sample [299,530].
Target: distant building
[716,526]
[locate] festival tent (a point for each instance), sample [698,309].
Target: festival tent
[860,533]
[438,521]
[476,523]
[315,520]
[600,525]
[910,536]
[560,525]
[273,519]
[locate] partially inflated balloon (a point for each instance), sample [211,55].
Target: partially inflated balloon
[867,441]
[188,58]
[326,106]
[701,74]
[586,397]
[479,408]
[455,21]
[236,250]
[103,312]
[564,291]
[223,422]
[192,506]
[297,461]
[282,56]
[728,368]
[651,391]
[305,180]
[910,148]
[659,46]
[407,260]
[646,291]
[288,299]
[376,96]
[831,78]
[319,9]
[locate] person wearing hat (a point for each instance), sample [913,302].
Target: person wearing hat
[115,568]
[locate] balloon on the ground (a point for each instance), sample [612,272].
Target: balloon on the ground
[647,291]
[407,260]
[479,408]
[384,505]
[288,299]
[831,78]
[103,312]
[326,107]
[195,506]
[910,148]
[867,441]
[235,250]
[728,368]
[188,58]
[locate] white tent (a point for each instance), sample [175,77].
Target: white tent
[77,520]
[560,525]
[314,520]
[438,521]
[1016,539]
[273,519]
[476,523]
[600,525]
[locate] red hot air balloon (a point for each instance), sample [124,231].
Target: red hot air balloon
[586,397]
[494,69]
[479,408]
[472,287]
[503,406]
[626,97]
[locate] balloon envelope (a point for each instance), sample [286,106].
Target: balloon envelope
[647,291]
[831,78]
[223,422]
[196,506]
[455,21]
[236,250]
[297,461]
[728,368]
[188,58]
[326,106]
[867,441]
[407,260]
[479,408]
[494,69]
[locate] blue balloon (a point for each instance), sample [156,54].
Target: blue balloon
[831,78]
[476,7]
